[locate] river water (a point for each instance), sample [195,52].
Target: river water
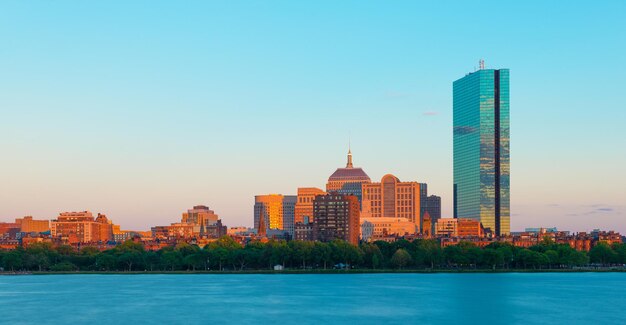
[481,298]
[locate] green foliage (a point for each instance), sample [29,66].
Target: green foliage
[603,254]
[401,258]
[64,267]
[227,255]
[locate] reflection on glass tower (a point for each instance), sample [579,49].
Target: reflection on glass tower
[481,148]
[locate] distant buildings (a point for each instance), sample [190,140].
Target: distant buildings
[23,225]
[481,148]
[28,224]
[238,231]
[469,228]
[373,228]
[303,231]
[336,217]
[428,229]
[430,204]
[348,180]
[392,198]
[200,215]
[304,204]
[274,213]
[199,223]
[461,227]
[446,227]
[433,208]
[81,227]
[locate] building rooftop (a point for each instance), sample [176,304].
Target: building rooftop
[348,173]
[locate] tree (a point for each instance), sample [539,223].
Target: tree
[64,267]
[105,262]
[620,251]
[193,261]
[13,259]
[322,253]
[400,258]
[172,259]
[492,257]
[345,252]
[37,256]
[372,256]
[130,259]
[602,254]
[432,252]
[218,255]
[453,255]
[553,258]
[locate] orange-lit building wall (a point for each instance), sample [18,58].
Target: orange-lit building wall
[200,215]
[304,203]
[469,228]
[28,224]
[446,227]
[269,208]
[392,198]
[383,226]
[82,226]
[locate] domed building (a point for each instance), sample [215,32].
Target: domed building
[348,180]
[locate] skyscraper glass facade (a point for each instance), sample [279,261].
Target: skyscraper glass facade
[481,149]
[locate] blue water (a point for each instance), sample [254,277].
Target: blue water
[524,298]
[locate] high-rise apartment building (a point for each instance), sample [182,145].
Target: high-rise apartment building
[274,212]
[392,198]
[336,217]
[481,149]
[348,180]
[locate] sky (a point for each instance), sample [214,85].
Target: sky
[142,109]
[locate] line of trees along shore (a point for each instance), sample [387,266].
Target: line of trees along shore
[227,255]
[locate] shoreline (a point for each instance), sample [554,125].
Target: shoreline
[295,272]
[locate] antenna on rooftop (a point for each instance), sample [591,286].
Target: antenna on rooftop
[481,64]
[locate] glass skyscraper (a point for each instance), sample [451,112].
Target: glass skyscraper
[481,149]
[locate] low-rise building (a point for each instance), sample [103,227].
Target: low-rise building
[374,228]
[446,227]
[470,228]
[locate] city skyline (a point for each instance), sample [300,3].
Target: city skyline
[145,119]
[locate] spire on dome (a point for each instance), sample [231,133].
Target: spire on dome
[349,165]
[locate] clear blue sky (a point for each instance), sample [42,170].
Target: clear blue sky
[141,109]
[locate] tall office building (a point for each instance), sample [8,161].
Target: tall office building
[481,148]
[274,212]
[433,207]
[304,205]
[348,181]
[392,198]
[289,213]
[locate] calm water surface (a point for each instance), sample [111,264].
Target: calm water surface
[524,298]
